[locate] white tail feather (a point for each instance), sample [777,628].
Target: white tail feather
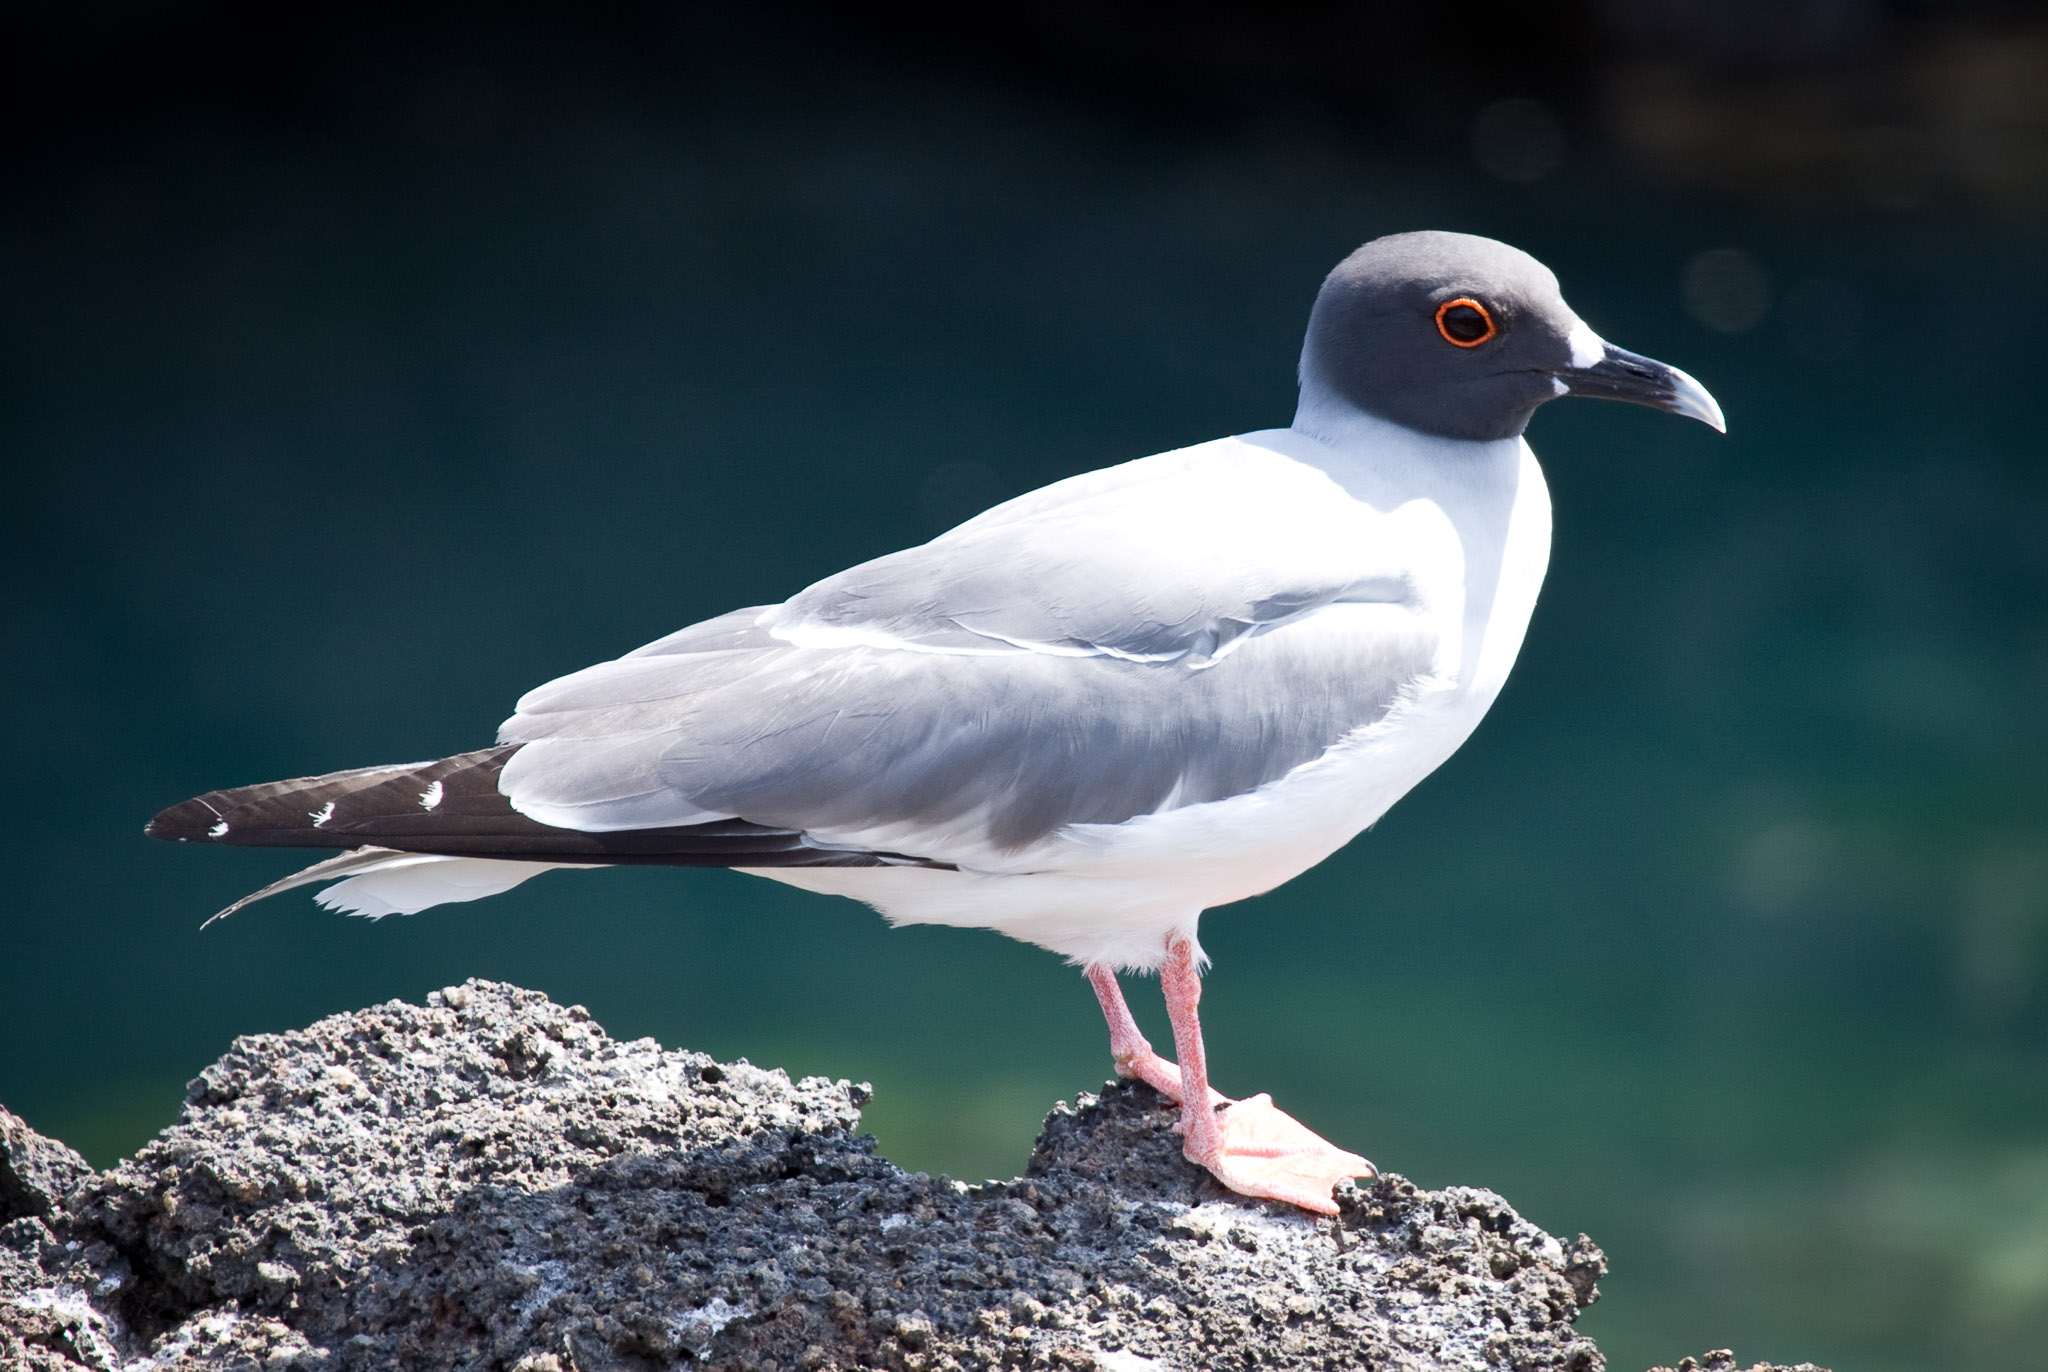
[408,883]
[341,864]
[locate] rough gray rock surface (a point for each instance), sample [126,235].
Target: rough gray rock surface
[35,1172]
[1722,1360]
[491,1182]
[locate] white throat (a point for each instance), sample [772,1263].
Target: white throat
[1487,500]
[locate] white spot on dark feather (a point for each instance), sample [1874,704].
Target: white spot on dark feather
[430,797]
[321,815]
[219,830]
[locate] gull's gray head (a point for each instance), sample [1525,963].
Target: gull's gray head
[1463,337]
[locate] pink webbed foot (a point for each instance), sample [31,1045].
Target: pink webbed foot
[1250,1146]
[1257,1149]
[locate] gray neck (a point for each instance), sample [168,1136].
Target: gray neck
[1326,414]
[1385,464]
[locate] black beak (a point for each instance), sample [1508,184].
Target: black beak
[1622,375]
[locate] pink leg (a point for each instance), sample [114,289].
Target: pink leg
[1128,1046]
[1250,1146]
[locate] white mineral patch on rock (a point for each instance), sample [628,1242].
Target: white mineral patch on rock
[695,1329]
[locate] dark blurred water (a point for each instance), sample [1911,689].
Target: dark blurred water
[1725,940]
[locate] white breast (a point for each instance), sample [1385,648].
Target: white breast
[1473,531]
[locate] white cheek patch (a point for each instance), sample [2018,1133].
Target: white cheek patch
[1587,347]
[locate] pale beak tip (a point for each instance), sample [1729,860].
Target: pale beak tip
[1695,402]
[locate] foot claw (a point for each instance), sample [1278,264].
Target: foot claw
[1263,1151]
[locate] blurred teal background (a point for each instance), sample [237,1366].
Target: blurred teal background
[360,370]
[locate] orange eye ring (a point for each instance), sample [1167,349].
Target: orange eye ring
[1456,328]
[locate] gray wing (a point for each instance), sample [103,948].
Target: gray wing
[1168,568]
[1109,658]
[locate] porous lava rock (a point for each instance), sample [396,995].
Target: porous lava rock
[489,1181]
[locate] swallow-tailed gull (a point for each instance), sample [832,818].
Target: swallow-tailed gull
[1085,716]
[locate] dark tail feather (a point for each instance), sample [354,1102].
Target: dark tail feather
[453,807]
[332,811]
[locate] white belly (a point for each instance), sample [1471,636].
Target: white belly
[1111,893]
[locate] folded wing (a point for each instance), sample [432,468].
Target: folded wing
[1156,643]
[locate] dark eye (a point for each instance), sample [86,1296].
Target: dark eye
[1464,322]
